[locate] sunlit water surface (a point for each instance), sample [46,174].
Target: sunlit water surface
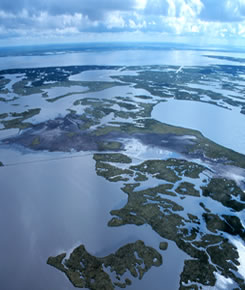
[51,203]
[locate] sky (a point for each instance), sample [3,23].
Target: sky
[66,21]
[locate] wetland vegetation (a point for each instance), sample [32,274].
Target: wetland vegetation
[87,271]
[192,196]
[164,208]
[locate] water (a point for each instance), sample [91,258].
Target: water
[100,75]
[44,209]
[52,202]
[223,126]
[55,204]
[58,108]
[125,57]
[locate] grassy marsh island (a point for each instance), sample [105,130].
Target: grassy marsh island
[87,271]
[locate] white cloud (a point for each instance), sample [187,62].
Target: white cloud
[241,29]
[138,25]
[187,18]
[140,4]
[114,20]
[195,28]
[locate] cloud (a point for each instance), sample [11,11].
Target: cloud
[92,8]
[225,11]
[53,18]
[156,7]
[173,8]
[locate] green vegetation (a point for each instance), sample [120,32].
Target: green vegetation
[39,79]
[112,157]
[170,169]
[200,147]
[99,108]
[164,82]
[143,97]
[3,83]
[36,141]
[20,88]
[147,126]
[225,191]
[109,146]
[160,192]
[87,271]
[159,168]
[163,246]
[140,177]
[109,136]
[3,116]
[17,122]
[92,87]
[199,272]
[71,134]
[111,172]
[160,207]
[187,188]
[4,100]
[225,223]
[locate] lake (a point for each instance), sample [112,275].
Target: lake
[125,57]
[223,126]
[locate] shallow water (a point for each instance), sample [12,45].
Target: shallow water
[55,205]
[53,202]
[100,75]
[223,126]
[125,57]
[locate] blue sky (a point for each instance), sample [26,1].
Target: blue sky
[189,21]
